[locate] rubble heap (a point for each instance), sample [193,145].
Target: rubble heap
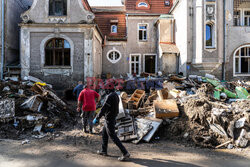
[199,110]
[31,107]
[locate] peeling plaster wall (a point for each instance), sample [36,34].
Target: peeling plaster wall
[122,66]
[32,53]
[13,11]
[97,53]
[76,13]
[134,46]
[236,36]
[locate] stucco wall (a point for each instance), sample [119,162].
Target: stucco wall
[169,63]
[122,66]
[80,37]
[181,33]
[134,46]
[97,54]
[76,13]
[58,77]
[236,36]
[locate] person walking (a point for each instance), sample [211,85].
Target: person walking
[88,99]
[77,90]
[110,110]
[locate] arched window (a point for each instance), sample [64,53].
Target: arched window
[57,7]
[57,52]
[114,29]
[209,35]
[114,56]
[143,4]
[242,60]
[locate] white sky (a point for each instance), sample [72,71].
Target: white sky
[105,2]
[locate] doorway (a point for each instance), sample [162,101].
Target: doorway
[150,64]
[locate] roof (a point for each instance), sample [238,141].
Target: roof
[106,16]
[155,6]
[169,48]
[86,5]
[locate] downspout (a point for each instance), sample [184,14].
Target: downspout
[126,25]
[2,51]
[224,42]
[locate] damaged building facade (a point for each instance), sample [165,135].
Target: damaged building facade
[213,37]
[237,39]
[9,43]
[60,43]
[139,37]
[67,41]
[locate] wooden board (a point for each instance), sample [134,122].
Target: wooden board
[166,108]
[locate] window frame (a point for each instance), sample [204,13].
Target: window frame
[112,29]
[143,32]
[246,16]
[239,73]
[213,35]
[54,49]
[145,5]
[241,18]
[135,62]
[112,51]
[65,13]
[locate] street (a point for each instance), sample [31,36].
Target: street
[75,149]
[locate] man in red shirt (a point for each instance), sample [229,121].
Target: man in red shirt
[87,99]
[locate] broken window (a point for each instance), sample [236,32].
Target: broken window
[237,21]
[241,13]
[57,7]
[57,52]
[247,18]
[114,56]
[209,35]
[135,64]
[242,61]
[142,32]
[114,29]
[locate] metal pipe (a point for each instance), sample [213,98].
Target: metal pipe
[2,51]
[224,42]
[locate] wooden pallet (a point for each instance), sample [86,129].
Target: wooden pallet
[136,98]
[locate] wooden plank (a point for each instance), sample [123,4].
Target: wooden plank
[166,108]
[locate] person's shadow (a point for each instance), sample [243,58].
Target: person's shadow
[160,163]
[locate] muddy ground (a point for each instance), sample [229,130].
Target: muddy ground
[75,149]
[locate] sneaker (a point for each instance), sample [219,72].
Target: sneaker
[85,131]
[102,153]
[124,157]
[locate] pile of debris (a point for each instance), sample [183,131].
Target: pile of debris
[31,107]
[200,110]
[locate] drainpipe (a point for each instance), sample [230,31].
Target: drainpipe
[126,25]
[2,54]
[224,42]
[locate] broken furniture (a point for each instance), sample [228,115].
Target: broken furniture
[34,103]
[126,127]
[7,108]
[166,108]
[136,99]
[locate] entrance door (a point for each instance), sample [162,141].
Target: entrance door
[135,64]
[150,64]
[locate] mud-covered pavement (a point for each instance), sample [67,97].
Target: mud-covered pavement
[74,149]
